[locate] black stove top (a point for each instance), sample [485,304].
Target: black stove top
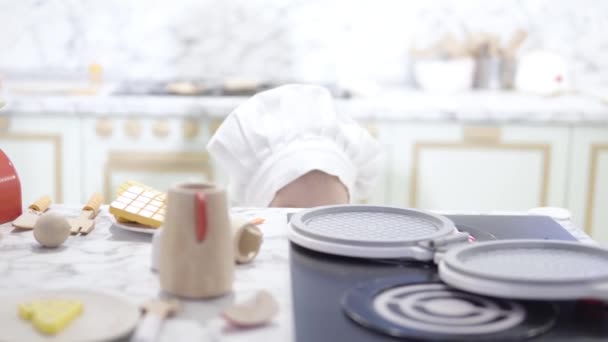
[321,282]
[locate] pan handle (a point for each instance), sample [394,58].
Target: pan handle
[442,244]
[447,241]
[600,291]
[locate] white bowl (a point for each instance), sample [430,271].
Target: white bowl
[445,76]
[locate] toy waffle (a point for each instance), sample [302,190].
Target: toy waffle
[140,204]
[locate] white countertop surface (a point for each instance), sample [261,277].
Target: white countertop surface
[116,260]
[387,105]
[113,259]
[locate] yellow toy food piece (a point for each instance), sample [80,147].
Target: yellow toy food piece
[139,203]
[122,220]
[26,310]
[50,316]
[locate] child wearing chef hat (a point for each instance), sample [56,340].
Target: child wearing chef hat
[288,147]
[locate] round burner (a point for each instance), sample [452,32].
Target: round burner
[449,307]
[437,308]
[438,312]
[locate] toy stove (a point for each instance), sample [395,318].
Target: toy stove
[352,299]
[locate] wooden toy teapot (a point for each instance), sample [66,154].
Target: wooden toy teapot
[196,247]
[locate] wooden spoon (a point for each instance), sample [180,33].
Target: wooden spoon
[155,312]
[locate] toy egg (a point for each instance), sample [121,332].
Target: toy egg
[51,230]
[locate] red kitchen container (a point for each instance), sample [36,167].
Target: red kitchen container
[10,190]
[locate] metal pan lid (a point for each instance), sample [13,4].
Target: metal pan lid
[528,269]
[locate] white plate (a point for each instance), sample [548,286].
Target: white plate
[105,317]
[133,227]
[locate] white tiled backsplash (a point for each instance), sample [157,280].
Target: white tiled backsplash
[324,40]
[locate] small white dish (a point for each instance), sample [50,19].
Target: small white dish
[445,76]
[156,250]
[106,316]
[133,227]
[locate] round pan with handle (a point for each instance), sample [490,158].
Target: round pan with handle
[367,231]
[528,269]
[517,269]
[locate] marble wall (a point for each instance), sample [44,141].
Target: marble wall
[337,40]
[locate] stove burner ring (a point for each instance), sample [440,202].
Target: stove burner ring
[435,308]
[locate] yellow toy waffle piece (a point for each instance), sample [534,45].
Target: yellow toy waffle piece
[140,204]
[50,316]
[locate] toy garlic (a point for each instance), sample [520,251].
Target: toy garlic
[255,312]
[51,230]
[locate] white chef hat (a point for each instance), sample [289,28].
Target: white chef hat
[283,133]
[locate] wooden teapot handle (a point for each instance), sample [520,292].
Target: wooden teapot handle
[201,216]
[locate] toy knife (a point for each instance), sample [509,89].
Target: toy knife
[28,219]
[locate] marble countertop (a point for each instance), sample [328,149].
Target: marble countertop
[387,105]
[113,259]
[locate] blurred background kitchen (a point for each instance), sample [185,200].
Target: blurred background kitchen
[480,105]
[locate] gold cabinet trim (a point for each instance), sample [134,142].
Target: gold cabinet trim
[482,134]
[57,142]
[154,161]
[596,149]
[4,123]
[544,149]
[214,125]
[372,129]
[133,128]
[104,127]
[161,128]
[190,129]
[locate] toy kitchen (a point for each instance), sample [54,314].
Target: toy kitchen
[356,272]
[394,294]
[304,171]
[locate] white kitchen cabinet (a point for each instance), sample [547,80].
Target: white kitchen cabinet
[45,151]
[459,167]
[588,185]
[378,194]
[434,165]
[158,152]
